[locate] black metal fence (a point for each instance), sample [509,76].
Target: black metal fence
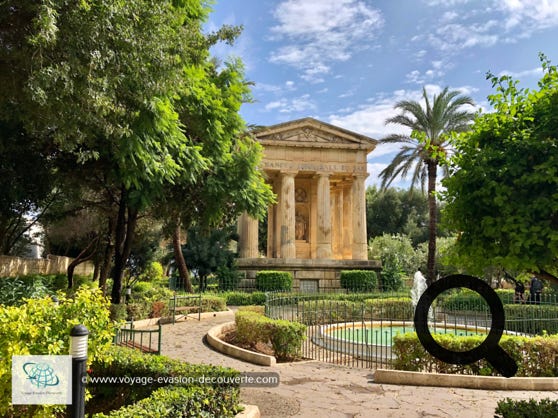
[358,330]
[146,340]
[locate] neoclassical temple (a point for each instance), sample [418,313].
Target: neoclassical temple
[318,225]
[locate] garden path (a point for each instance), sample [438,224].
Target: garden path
[315,389]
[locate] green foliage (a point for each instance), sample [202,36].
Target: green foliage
[286,337]
[358,280]
[13,290]
[513,408]
[502,190]
[268,280]
[229,278]
[400,248]
[208,251]
[392,273]
[533,355]
[397,212]
[154,271]
[243,298]
[390,308]
[176,398]
[145,295]
[40,327]
[213,303]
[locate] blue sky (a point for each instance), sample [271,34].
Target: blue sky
[347,62]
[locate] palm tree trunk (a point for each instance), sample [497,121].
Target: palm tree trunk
[432,224]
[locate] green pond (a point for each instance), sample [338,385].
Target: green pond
[383,335]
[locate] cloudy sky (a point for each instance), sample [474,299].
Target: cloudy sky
[347,62]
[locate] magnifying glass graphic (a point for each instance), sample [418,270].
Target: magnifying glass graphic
[489,348]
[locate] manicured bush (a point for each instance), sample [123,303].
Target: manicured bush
[328,311]
[534,355]
[532,319]
[286,337]
[358,280]
[244,298]
[253,308]
[512,408]
[40,326]
[390,309]
[216,396]
[268,281]
[391,278]
[212,303]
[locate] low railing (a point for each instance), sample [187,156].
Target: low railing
[185,303]
[357,330]
[145,340]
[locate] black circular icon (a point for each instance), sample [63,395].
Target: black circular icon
[489,348]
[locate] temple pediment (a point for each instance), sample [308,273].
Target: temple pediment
[313,133]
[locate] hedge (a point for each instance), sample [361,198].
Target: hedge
[390,308]
[533,355]
[269,281]
[286,337]
[511,408]
[358,280]
[180,399]
[236,298]
[532,319]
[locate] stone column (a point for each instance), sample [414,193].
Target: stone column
[271,228]
[360,246]
[323,209]
[287,214]
[347,222]
[248,236]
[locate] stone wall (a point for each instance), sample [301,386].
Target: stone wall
[53,264]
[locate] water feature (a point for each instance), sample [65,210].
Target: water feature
[419,286]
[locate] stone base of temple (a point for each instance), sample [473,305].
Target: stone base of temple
[309,275]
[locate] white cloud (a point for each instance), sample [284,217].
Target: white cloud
[535,72]
[298,104]
[496,21]
[319,33]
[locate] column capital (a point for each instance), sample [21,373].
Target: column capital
[361,176]
[287,173]
[319,174]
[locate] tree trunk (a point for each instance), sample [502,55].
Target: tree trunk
[123,244]
[432,223]
[107,256]
[179,258]
[81,258]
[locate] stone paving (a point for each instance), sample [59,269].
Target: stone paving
[315,389]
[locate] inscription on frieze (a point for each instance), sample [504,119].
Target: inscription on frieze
[309,166]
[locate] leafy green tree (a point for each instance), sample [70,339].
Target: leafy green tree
[397,211]
[99,82]
[426,148]
[230,182]
[207,251]
[502,192]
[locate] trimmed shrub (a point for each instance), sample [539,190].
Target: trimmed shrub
[358,280]
[216,396]
[390,308]
[534,355]
[253,308]
[243,298]
[511,408]
[268,281]
[212,303]
[317,312]
[286,337]
[532,319]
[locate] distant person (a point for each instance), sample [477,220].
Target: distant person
[535,290]
[519,296]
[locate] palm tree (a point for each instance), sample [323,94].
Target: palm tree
[426,147]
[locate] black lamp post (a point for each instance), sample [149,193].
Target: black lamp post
[78,350]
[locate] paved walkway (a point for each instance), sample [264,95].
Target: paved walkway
[314,389]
